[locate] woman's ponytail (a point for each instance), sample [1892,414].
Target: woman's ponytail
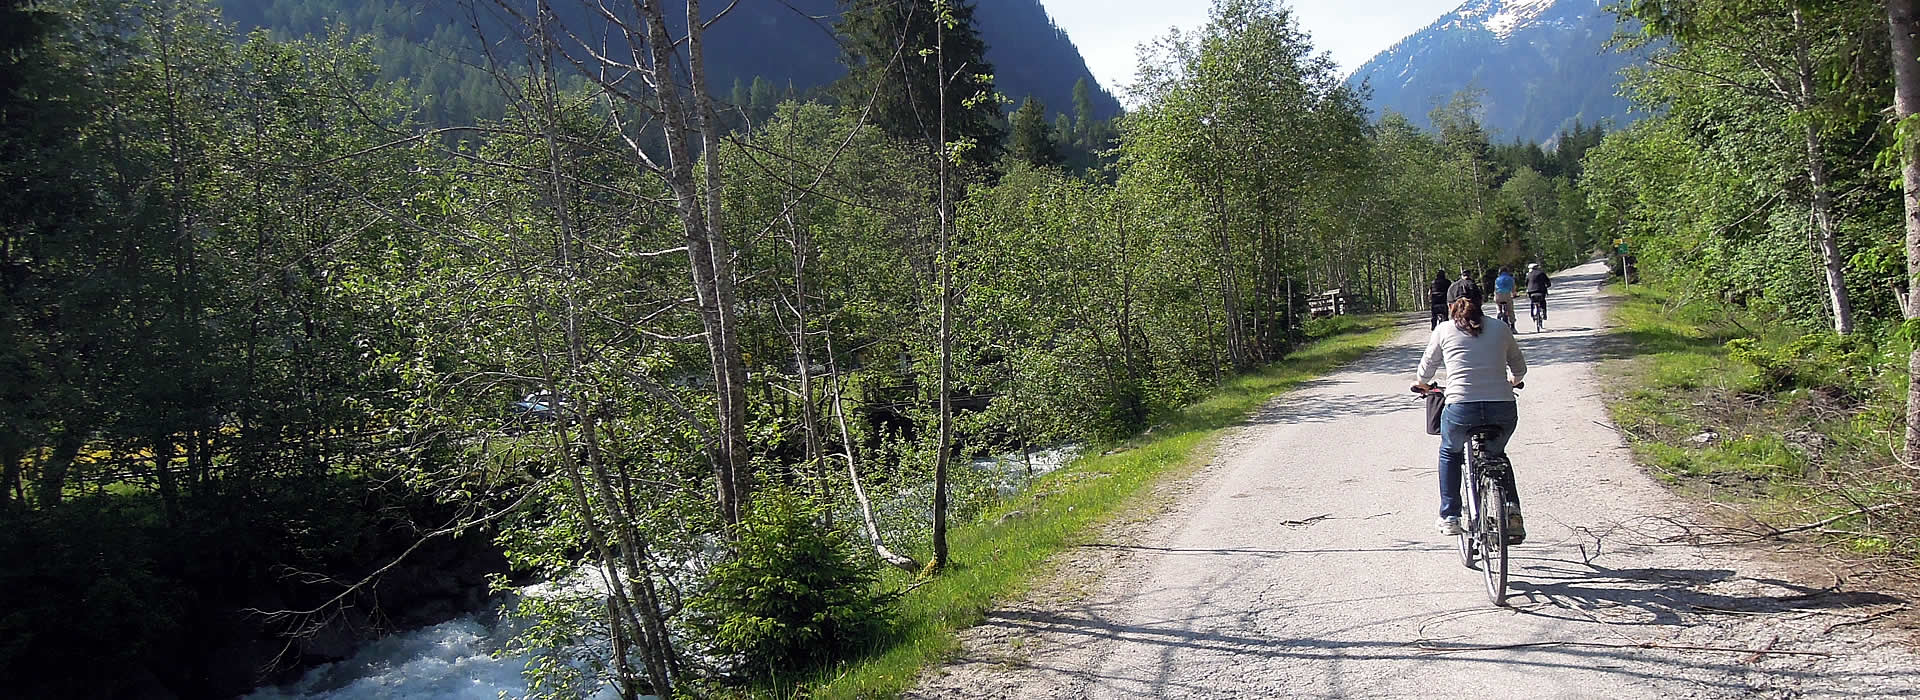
[1467,316]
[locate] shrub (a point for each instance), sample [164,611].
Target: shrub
[1321,327]
[793,596]
[1813,360]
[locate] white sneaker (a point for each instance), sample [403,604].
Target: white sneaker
[1450,527]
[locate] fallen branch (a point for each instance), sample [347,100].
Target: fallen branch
[1622,431]
[1861,619]
[1762,651]
[1834,519]
[892,558]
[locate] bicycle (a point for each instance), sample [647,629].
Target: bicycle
[1538,302]
[1483,527]
[1504,312]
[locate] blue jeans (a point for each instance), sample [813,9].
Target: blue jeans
[1457,423]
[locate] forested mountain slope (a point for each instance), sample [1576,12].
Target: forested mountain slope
[1539,66]
[786,45]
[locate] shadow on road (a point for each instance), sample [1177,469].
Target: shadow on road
[1203,638]
[1401,546]
[1580,591]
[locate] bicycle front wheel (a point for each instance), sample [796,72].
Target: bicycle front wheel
[1492,528]
[1469,533]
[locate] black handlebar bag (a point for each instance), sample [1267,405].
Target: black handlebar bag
[1436,404]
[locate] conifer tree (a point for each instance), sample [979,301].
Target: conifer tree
[889,49]
[1032,138]
[1083,113]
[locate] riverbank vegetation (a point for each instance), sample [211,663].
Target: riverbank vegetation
[1763,203]
[251,299]
[1007,546]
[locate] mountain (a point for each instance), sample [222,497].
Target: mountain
[788,44]
[1539,64]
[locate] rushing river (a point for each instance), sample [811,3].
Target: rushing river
[456,660]
[449,661]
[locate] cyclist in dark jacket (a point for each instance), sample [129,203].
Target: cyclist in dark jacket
[1466,288]
[1437,298]
[1537,284]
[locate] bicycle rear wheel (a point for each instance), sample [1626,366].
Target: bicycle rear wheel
[1492,527]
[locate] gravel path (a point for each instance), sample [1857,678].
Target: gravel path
[1303,563]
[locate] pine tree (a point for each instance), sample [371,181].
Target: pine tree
[1032,138]
[764,97]
[889,49]
[1083,113]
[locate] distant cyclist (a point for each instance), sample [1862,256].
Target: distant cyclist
[1477,353]
[1466,288]
[1437,297]
[1537,284]
[1503,295]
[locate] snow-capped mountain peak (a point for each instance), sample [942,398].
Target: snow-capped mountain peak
[1536,65]
[1516,14]
[1503,18]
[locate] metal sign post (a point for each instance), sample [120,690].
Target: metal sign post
[1620,246]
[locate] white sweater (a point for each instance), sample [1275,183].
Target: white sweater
[1476,366]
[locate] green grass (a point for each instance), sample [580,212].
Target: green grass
[996,558]
[1802,422]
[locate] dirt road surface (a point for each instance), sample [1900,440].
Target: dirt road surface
[1303,562]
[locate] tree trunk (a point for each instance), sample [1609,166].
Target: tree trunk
[52,484]
[733,422]
[942,456]
[618,545]
[898,561]
[707,261]
[1903,18]
[10,457]
[803,355]
[164,477]
[1822,208]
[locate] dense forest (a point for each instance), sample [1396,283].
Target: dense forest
[789,47]
[272,330]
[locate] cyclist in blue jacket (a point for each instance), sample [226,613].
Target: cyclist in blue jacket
[1503,295]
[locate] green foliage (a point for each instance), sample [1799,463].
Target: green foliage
[792,595]
[1033,141]
[1007,545]
[1787,425]
[1329,326]
[1821,360]
[1754,100]
[905,53]
[82,578]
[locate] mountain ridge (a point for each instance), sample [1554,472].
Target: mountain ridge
[1539,66]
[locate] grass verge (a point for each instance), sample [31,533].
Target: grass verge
[1784,426]
[998,554]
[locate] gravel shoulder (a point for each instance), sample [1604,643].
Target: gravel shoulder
[1302,562]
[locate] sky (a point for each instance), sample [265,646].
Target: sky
[1352,30]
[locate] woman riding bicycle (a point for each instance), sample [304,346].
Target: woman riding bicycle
[1477,352]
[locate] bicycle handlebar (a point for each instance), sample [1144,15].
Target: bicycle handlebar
[1438,389]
